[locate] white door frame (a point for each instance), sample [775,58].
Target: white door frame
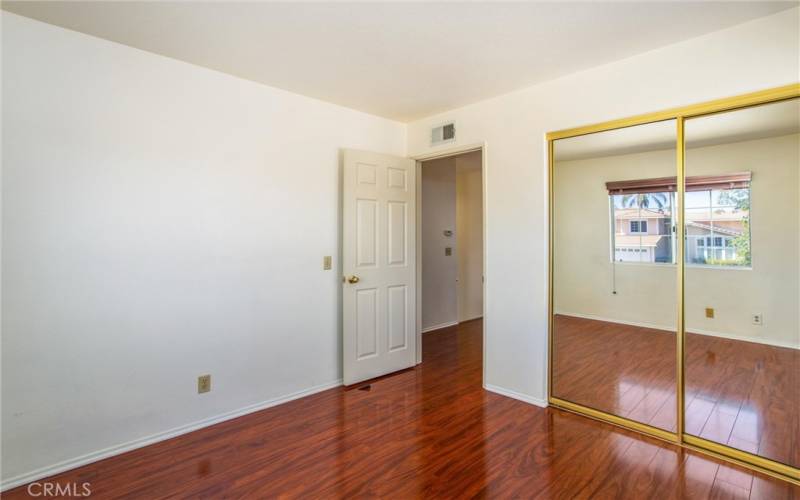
[444,153]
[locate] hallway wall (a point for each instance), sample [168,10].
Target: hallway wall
[469,235]
[439,271]
[452,288]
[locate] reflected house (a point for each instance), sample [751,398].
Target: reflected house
[645,235]
[713,238]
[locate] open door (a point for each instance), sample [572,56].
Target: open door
[378,261]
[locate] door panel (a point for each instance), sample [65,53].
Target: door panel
[367,232]
[398,229]
[378,258]
[398,306]
[367,323]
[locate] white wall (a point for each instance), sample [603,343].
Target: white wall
[584,276]
[584,272]
[469,235]
[160,221]
[759,54]
[772,287]
[439,271]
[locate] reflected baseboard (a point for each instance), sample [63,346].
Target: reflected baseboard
[696,331]
[618,321]
[742,338]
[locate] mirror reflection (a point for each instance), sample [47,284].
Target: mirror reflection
[614,272]
[742,279]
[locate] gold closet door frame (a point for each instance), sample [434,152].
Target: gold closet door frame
[680,115]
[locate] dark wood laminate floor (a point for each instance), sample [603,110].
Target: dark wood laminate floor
[430,432]
[743,394]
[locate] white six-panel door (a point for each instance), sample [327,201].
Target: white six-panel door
[378,260]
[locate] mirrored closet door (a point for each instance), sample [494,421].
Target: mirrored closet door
[614,293]
[742,280]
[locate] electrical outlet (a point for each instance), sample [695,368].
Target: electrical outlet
[326,263]
[710,312]
[758,319]
[203,384]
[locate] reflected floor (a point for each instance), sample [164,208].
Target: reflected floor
[620,369]
[742,394]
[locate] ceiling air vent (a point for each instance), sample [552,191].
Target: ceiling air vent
[443,134]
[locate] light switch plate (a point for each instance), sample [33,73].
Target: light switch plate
[326,263]
[448,251]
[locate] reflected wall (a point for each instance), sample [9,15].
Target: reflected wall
[614,272]
[742,280]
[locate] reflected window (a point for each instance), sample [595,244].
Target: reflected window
[717,220]
[642,227]
[638,226]
[718,227]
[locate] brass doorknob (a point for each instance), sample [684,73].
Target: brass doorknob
[353,279]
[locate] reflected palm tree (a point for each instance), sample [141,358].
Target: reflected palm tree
[645,200]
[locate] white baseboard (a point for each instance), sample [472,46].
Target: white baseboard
[710,333]
[95,456]
[449,323]
[516,395]
[439,326]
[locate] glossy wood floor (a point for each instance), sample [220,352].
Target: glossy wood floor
[742,394]
[430,432]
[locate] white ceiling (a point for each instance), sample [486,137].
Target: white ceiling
[401,60]
[757,122]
